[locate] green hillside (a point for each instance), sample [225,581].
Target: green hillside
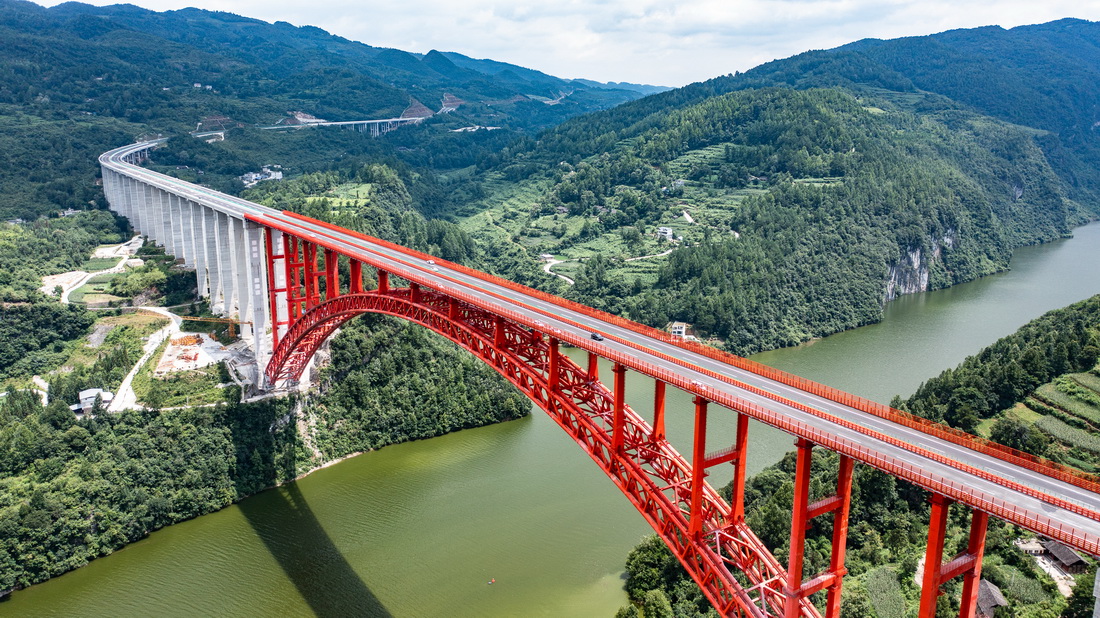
[806,209]
[76,80]
[1037,389]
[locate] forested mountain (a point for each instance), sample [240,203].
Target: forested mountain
[76,80]
[804,194]
[795,200]
[1045,76]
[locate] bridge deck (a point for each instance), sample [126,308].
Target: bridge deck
[1016,493]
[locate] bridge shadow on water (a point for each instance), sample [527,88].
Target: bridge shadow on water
[284,521]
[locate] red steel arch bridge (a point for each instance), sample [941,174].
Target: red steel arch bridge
[297,280]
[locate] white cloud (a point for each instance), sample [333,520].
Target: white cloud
[637,40]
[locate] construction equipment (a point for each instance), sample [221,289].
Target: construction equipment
[231,322]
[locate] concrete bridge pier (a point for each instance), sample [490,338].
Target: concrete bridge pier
[181,210]
[213,260]
[254,292]
[198,246]
[226,251]
[132,202]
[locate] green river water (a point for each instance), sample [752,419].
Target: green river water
[419,529]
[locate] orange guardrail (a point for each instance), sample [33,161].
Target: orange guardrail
[962,493]
[1037,464]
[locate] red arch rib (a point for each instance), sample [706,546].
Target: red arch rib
[654,477]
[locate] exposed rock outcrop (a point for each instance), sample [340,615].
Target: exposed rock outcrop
[912,273]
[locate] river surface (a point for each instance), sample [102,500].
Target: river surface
[419,529]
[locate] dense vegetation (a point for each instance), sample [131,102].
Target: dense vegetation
[77,80]
[1057,352]
[33,327]
[1037,390]
[810,209]
[72,490]
[391,381]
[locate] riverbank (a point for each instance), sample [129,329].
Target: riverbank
[443,516]
[166,467]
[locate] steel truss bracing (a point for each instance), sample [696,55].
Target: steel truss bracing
[654,477]
[298,280]
[706,533]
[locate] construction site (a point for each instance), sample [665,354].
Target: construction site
[190,352]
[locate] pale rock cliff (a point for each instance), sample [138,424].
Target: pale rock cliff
[911,273]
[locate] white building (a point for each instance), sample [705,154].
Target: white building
[679,329]
[88,397]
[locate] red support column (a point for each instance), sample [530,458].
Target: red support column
[840,535]
[618,420]
[593,367]
[968,564]
[272,291]
[308,264]
[291,264]
[975,550]
[383,281]
[313,294]
[452,309]
[838,504]
[698,468]
[332,277]
[933,557]
[737,497]
[799,519]
[554,370]
[414,292]
[499,340]
[356,286]
[658,411]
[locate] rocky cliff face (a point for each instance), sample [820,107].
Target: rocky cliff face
[908,275]
[911,273]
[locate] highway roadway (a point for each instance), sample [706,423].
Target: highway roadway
[641,352]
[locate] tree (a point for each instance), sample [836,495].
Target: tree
[1017,434]
[58,415]
[855,602]
[1081,602]
[655,604]
[156,395]
[627,611]
[630,235]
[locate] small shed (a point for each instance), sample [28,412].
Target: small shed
[679,329]
[1067,559]
[989,599]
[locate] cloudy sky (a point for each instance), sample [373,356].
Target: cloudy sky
[665,42]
